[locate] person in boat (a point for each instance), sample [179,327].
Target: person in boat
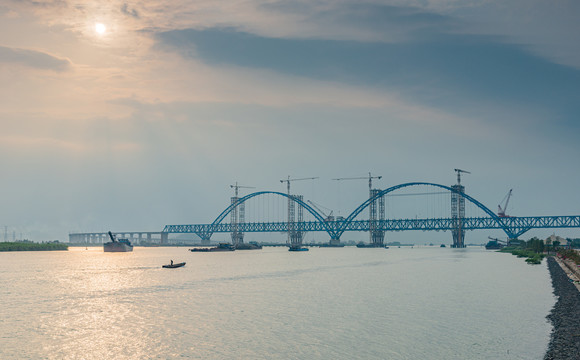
[171,262]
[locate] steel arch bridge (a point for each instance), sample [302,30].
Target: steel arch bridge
[216,225]
[512,226]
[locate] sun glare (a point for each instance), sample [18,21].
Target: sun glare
[100,28]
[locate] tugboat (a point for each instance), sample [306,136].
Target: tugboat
[297,248]
[494,244]
[120,245]
[370,245]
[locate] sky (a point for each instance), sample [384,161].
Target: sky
[131,115]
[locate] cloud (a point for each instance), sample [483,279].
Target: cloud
[448,71]
[34,59]
[547,28]
[130,12]
[43,143]
[363,21]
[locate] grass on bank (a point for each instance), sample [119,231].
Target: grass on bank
[532,250]
[570,254]
[531,256]
[30,246]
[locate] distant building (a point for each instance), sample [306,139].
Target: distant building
[552,238]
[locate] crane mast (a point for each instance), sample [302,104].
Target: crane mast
[294,235]
[459,171]
[328,217]
[377,236]
[501,211]
[370,177]
[236,187]
[458,211]
[237,215]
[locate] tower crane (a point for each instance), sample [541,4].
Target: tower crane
[240,187]
[238,215]
[290,180]
[294,236]
[328,217]
[370,177]
[376,236]
[459,171]
[501,210]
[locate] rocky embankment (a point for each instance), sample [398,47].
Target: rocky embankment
[565,316]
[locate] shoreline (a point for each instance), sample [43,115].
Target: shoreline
[565,315]
[30,246]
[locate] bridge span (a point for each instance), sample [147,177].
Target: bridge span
[516,226]
[138,237]
[457,223]
[377,224]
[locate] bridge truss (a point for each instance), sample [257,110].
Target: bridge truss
[516,225]
[512,226]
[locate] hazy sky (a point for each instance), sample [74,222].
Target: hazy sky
[147,120]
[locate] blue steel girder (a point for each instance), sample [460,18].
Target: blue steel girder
[512,226]
[518,225]
[382,193]
[217,223]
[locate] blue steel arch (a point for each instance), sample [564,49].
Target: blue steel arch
[229,209]
[365,204]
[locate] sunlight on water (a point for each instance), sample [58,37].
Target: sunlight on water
[427,303]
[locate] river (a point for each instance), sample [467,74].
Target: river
[328,303]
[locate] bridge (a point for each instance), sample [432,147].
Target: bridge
[516,225]
[293,222]
[139,237]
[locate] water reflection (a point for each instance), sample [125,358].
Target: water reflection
[330,303]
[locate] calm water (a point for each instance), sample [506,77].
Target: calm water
[400,303]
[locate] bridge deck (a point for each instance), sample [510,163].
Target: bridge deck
[516,225]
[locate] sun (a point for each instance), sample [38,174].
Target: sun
[100,28]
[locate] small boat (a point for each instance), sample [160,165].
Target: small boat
[173,266]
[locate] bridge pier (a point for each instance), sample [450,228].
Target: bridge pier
[295,236]
[458,214]
[238,215]
[376,211]
[334,242]
[205,238]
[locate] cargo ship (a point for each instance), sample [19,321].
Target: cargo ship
[493,245]
[370,245]
[297,248]
[220,247]
[252,245]
[121,245]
